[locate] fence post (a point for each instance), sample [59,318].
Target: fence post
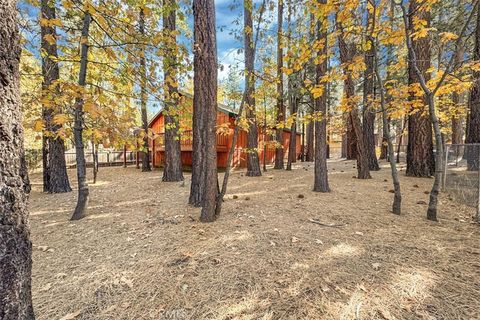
[124,155]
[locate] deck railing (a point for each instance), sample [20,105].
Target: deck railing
[186,139]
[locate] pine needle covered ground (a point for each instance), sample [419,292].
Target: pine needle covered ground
[142,254]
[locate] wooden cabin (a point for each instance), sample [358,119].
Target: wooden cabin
[225,123]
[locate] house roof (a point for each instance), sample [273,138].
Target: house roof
[221,107]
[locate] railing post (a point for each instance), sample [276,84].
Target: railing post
[124,155]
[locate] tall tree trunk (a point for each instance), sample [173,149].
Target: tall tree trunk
[473,128]
[83,192]
[173,152]
[321,169]
[279,152]
[346,54]
[397,200]
[55,177]
[308,147]
[143,96]
[368,107]
[350,136]
[15,245]
[420,159]
[253,162]
[292,143]
[310,152]
[205,99]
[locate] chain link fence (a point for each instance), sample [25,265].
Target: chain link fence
[461,179]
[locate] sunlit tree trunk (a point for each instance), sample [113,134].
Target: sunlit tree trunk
[173,153]
[55,177]
[83,192]
[397,199]
[321,169]
[205,99]
[420,159]
[143,96]
[368,108]
[253,162]
[15,245]
[279,152]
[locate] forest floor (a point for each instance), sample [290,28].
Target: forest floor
[142,253]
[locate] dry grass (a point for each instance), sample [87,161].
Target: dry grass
[142,254]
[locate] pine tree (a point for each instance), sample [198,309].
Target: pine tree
[15,245]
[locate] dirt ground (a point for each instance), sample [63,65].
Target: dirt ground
[142,254]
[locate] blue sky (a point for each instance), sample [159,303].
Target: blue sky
[227,44]
[229,19]
[227,12]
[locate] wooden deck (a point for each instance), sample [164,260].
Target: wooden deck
[186,142]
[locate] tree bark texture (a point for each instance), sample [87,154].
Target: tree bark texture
[173,170]
[83,192]
[143,96]
[253,162]
[321,149]
[55,177]
[368,109]
[420,158]
[205,99]
[15,245]
[279,152]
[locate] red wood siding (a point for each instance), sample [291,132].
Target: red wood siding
[224,142]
